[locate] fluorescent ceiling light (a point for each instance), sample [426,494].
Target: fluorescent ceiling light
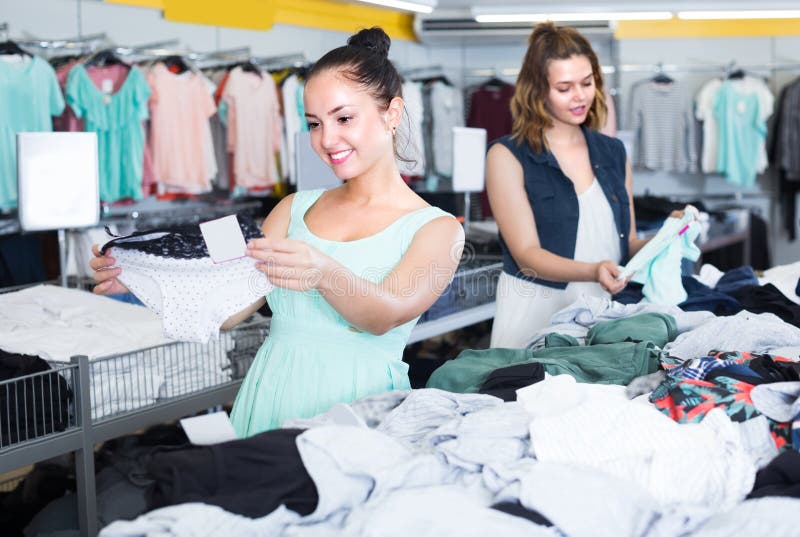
[741,14]
[574,17]
[419,6]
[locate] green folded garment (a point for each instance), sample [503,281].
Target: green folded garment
[659,328]
[610,363]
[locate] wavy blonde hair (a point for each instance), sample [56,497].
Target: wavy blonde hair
[528,106]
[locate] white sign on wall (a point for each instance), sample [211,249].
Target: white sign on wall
[469,159]
[57,180]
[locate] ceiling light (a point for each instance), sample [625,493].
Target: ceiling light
[741,14]
[487,15]
[419,6]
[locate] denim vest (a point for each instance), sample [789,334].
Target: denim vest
[554,201]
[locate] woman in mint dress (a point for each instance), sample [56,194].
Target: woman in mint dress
[355,266]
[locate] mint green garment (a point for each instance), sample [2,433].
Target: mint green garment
[659,328]
[313,358]
[610,363]
[222,112]
[117,120]
[29,98]
[616,352]
[742,131]
[555,339]
[657,266]
[301,107]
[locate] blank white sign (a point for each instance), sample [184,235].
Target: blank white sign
[469,159]
[57,180]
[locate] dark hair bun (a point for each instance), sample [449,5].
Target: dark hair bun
[374,39]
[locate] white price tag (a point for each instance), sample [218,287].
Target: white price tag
[209,429]
[224,239]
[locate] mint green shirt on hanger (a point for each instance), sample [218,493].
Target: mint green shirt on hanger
[742,131]
[313,358]
[29,98]
[117,120]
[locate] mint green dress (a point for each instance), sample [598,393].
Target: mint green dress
[313,358]
[117,120]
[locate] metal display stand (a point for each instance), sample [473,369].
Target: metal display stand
[83,432]
[451,322]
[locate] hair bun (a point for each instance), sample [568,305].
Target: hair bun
[374,39]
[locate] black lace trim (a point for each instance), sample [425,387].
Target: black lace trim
[180,242]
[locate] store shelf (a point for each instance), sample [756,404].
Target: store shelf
[452,322]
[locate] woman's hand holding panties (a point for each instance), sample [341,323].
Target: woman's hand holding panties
[291,264]
[106,277]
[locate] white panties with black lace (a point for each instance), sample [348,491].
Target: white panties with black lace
[192,294]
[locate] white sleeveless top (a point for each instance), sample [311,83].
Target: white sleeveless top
[524,307]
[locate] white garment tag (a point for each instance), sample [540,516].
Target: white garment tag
[107,86]
[12,58]
[224,239]
[209,429]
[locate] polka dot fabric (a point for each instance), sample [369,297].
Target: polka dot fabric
[172,274]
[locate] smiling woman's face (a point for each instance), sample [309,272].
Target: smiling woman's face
[348,129]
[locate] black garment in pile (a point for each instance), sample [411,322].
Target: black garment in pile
[31,407]
[760,256]
[505,382]
[120,483]
[760,369]
[768,299]
[516,509]
[781,477]
[250,477]
[656,208]
[179,242]
[47,481]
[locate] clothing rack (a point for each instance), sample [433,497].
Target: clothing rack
[222,58]
[655,68]
[511,71]
[146,50]
[696,68]
[296,59]
[155,51]
[415,71]
[491,72]
[75,45]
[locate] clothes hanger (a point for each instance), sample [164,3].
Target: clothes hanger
[250,67]
[661,77]
[176,64]
[495,82]
[435,78]
[8,48]
[736,74]
[301,70]
[104,58]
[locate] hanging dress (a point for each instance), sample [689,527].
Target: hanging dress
[117,119]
